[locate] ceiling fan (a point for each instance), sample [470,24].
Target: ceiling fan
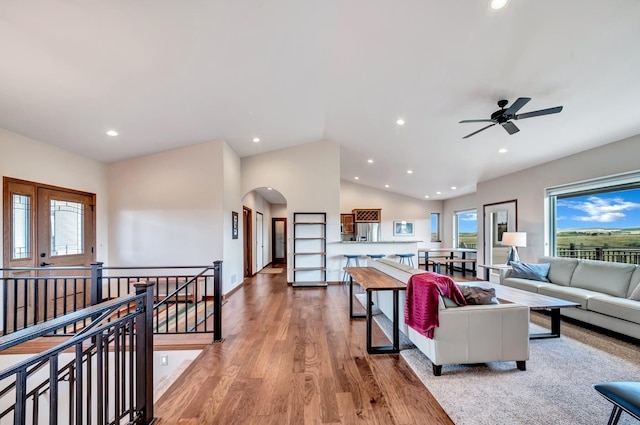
[504,116]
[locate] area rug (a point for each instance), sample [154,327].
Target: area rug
[556,388]
[271,270]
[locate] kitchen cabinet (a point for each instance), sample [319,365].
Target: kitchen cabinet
[346,222]
[369,215]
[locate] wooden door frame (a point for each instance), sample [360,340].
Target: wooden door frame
[247,241]
[259,249]
[273,239]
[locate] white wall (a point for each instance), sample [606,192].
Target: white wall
[279,210]
[174,208]
[28,159]
[308,176]
[233,255]
[528,187]
[394,207]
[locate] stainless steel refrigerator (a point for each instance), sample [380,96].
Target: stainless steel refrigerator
[368,232]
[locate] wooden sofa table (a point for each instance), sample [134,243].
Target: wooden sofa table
[371,280]
[533,301]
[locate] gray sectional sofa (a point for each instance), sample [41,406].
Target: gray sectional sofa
[602,289]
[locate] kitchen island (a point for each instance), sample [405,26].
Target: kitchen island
[364,248]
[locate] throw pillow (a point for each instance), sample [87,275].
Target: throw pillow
[478,295]
[538,271]
[635,295]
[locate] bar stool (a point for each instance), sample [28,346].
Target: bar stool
[353,260]
[407,257]
[374,257]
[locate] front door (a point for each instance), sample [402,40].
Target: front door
[46,226]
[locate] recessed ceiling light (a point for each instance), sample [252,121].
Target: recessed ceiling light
[498,4]
[453,188]
[112,133]
[256,139]
[386,185]
[438,193]
[503,150]
[370,161]
[400,121]
[426,196]
[269,188]
[409,171]
[357,178]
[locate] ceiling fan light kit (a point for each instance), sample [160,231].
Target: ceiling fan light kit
[504,116]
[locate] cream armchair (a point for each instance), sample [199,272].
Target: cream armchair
[469,334]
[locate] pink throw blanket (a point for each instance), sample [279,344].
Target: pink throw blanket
[421,302]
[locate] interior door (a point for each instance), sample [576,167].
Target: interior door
[259,241]
[279,240]
[46,226]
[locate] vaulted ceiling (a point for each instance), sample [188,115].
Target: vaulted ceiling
[167,73]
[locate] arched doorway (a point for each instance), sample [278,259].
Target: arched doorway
[266,242]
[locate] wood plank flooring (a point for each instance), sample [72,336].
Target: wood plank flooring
[293,356]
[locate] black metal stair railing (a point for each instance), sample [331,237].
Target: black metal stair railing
[109,379]
[187,300]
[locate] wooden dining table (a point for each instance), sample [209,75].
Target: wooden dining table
[449,254]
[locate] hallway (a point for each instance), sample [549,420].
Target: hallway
[292,356]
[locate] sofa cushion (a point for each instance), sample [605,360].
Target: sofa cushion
[635,281]
[577,295]
[561,269]
[635,295]
[603,276]
[530,271]
[524,284]
[620,308]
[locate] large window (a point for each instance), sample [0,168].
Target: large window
[465,229]
[598,220]
[435,227]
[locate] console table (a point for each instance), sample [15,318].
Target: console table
[372,279]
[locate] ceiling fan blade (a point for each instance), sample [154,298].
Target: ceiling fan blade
[538,113]
[476,132]
[487,120]
[510,127]
[517,105]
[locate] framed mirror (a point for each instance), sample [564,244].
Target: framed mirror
[499,217]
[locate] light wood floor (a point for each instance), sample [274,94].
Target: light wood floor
[293,356]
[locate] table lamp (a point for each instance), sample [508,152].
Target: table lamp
[513,240]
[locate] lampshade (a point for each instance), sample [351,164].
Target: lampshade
[514,238]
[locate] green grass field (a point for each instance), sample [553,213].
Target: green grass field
[605,238]
[586,238]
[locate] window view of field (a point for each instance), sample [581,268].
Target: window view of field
[603,226]
[467,225]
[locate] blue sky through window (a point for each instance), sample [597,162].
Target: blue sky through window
[468,222]
[612,210]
